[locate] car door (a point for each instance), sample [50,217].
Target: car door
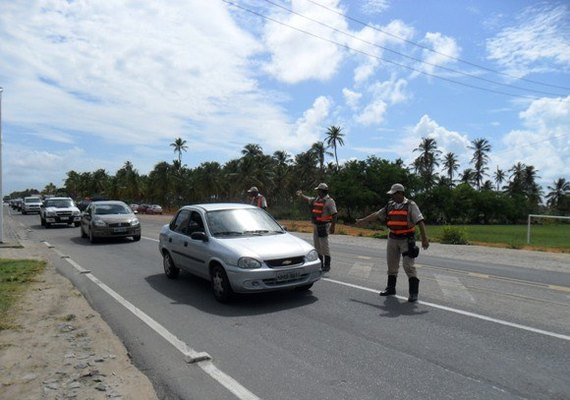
[177,240]
[198,251]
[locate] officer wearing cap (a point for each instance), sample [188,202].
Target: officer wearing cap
[257,199]
[323,217]
[401,216]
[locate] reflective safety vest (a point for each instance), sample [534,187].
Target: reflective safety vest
[397,220]
[317,212]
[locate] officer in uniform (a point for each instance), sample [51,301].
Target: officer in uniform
[323,217]
[401,216]
[257,199]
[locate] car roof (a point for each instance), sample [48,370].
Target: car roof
[219,206]
[99,202]
[59,198]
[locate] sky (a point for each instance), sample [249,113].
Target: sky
[90,84]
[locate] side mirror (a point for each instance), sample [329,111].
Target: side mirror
[199,236]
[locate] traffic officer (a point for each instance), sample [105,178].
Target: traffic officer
[323,217]
[257,199]
[401,216]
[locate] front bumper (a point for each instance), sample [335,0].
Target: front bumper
[269,279]
[111,232]
[63,219]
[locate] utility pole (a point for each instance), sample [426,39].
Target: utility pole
[1,173]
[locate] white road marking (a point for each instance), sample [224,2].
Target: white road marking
[201,359]
[153,239]
[452,288]
[462,312]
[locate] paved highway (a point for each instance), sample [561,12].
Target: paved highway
[485,327]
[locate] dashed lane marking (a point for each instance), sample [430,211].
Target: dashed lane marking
[452,288]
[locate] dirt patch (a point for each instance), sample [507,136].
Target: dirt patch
[60,348]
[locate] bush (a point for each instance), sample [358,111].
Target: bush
[454,235]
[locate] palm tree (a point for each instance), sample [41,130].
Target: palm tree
[499,177]
[320,152]
[334,139]
[481,148]
[426,162]
[252,150]
[179,145]
[451,165]
[558,192]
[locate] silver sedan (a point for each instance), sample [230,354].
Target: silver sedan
[109,219]
[238,248]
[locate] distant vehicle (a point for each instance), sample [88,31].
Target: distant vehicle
[134,207]
[109,219]
[142,208]
[239,248]
[59,210]
[31,204]
[154,209]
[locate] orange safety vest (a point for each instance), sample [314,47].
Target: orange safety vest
[317,212]
[397,220]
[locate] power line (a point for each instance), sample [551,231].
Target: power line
[435,51]
[377,57]
[410,57]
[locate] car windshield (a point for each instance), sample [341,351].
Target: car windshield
[239,222]
[104,209]
[33,200]
[59,203]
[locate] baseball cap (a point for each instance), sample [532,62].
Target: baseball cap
[253,189]
[322,186]
[396,187]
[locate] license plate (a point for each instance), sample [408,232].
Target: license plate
[64,218]
[119,230]
[287,275]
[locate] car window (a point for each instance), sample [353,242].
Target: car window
[59,203]
[105,209]
[195,224]
[238,222]
[181,221]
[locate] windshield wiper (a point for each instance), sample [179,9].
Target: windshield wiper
[257,232]
[227,233]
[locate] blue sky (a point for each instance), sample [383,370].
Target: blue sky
[91,84]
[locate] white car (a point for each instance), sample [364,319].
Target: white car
[239,248]
[59,210]
[31,204]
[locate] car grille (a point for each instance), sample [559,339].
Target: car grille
[63,213]
[275,282]
[120,225]
[285,262]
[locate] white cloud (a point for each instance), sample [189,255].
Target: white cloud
[538,41]
[351,98]
[445,47]
[309,128]
[373,113]
[375,6]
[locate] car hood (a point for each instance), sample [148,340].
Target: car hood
[267,247]
[113,218]
[54,209]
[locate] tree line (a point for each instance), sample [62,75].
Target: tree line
[446,195]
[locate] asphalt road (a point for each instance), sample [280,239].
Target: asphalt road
[482,329]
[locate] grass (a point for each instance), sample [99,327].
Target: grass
[15,276]
[544,237]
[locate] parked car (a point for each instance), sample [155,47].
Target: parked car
[59,210]
[31,204]
[154,209]
[109,219]
[134,207]
[238,248]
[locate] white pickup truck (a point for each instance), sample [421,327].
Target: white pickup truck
[31,204]
[59,210]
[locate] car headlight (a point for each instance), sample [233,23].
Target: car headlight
[312,256]
[50,214]
[75,213]
[134,222]
[99,222]
[249,263]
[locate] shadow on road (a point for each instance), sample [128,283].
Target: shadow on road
[394,307]
[196,292]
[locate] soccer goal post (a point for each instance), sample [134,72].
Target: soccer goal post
[538,216]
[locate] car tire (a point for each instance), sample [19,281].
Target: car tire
[304,288]
[221,284]
[170,270]
[136,238]
[48,225]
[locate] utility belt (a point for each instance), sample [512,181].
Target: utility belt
[413,250]
[322,228]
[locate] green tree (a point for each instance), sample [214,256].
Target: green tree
[179,146]
[426,162]
[334,139]
[481,148]
[559,191]
[450,165]
[499,176]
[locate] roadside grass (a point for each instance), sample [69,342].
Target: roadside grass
[15,276]
[543,237]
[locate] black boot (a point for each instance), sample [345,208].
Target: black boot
[414,288]
[322,263]
[391,287]
[327,266]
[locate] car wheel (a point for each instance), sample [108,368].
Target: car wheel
[23,212]
[304,288]
[170,270]
[221,285]
[92,237]
[48,225]
[136,238]
[83,234]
